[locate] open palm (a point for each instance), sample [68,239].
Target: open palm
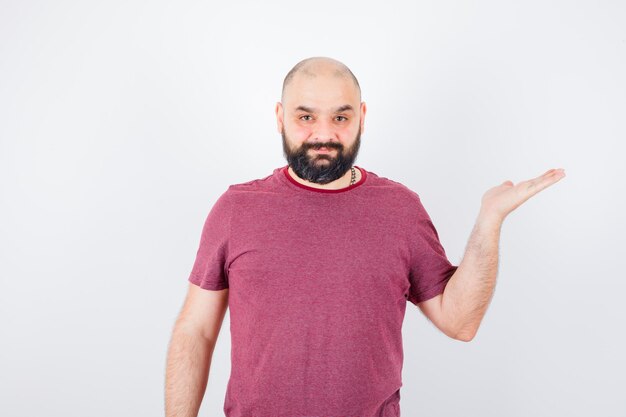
[502,199]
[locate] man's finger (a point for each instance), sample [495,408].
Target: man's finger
[535,185]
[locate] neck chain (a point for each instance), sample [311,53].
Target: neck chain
[353,178]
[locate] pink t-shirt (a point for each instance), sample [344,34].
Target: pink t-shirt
[318,282]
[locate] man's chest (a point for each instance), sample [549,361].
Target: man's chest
[275,254]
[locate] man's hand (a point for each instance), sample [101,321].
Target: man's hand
[502,199]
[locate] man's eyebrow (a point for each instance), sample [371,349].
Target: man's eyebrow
[345,107]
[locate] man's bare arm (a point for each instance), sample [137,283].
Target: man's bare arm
[469,291]
[462,306]
[191,349]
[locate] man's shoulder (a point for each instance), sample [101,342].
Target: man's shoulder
[254,184]
[393,187]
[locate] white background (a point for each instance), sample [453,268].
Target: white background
[121,123]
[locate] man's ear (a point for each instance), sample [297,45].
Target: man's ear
[279,116]
[363,111]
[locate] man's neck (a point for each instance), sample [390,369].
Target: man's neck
[338,184]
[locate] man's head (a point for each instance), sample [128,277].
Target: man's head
[320,108]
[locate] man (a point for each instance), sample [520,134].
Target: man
[316,262]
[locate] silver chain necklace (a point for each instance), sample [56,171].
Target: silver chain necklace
[353,178]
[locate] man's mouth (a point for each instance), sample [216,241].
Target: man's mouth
[324,150]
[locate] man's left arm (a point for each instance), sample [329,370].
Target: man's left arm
[462,306]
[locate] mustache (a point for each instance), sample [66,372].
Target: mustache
[332,145]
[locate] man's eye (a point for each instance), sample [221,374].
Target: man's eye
[305,116]
[343,117]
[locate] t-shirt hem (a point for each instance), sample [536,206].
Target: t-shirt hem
[207,285]
[430,293]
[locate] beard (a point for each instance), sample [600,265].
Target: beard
[321,168]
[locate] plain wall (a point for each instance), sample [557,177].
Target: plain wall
[123,121]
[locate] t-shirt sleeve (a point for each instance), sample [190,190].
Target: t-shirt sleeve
[429,269]
[210,269]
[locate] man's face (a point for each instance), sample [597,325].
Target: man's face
[320,121]
[321,162]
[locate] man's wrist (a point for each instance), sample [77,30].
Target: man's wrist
[489,220]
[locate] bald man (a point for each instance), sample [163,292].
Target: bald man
[316,262]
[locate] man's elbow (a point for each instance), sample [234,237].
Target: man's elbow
[465,335]
[462,330]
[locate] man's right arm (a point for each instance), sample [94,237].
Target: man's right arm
[191,349]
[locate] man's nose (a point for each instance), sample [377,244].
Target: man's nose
[324,132]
